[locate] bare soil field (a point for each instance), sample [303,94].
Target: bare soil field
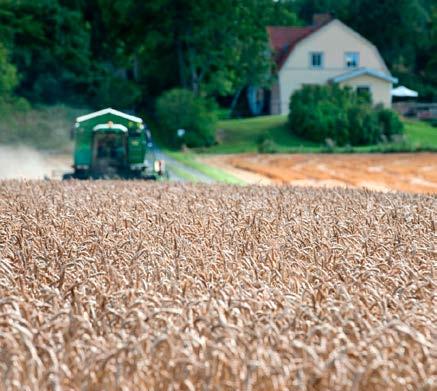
[133,285]
[404,172]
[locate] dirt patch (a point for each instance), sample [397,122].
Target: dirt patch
[404,172]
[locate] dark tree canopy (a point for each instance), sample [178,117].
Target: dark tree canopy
[128,52]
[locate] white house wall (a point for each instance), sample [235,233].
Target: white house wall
[380,89]
[334,40]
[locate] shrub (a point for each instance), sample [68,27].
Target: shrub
[318,113]
[266,145]
[390,123]
[181,109]
[363,125]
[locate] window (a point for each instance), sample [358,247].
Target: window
[364,91]
[316,60]
[352,59]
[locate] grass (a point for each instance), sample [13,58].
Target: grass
[189,159]
[242,135]
[182,173]
[419,132]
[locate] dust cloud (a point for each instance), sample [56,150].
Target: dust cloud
[26,163]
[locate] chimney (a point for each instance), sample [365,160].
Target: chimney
[321,19]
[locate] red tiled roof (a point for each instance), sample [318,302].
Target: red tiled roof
[284,39]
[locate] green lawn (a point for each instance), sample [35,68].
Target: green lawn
[241,135]
[419,132]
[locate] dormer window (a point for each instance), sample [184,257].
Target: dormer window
[352,59]
[316,60]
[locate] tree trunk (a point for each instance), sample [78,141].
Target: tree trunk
[235,101]
[181,63]
[195,82]
[136,67]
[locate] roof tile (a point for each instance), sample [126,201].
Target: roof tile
[284,39]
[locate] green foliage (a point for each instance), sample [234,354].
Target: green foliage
[363,125]
[126,53]
[50,48]
[244,135]
[266,145]
[390,123]
[116,92]
[8,73]
[182,109]
[319,113]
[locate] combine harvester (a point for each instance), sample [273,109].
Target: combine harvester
[111,144]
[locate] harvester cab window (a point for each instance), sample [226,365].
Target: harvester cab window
[109,151]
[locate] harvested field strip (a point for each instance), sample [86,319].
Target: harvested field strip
[403,172]
[129,285]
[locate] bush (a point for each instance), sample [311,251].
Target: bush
[340,114]
[363,125]
[266,145]
[181,109]
[390,123]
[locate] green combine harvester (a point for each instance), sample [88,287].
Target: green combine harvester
[112,144]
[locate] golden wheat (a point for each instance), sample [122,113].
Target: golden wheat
[127,285]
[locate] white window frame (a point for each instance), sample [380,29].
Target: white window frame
[322,60]
[345,60]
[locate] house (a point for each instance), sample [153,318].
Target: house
[328,51]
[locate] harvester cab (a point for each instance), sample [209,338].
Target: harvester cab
[112,144]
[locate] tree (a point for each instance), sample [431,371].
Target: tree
[182,109]
[431,63]
[396,38]
[50,48]
[8,74]
[96,52]
[216,46]
[307,8]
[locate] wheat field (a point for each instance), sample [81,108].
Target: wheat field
[130,285]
